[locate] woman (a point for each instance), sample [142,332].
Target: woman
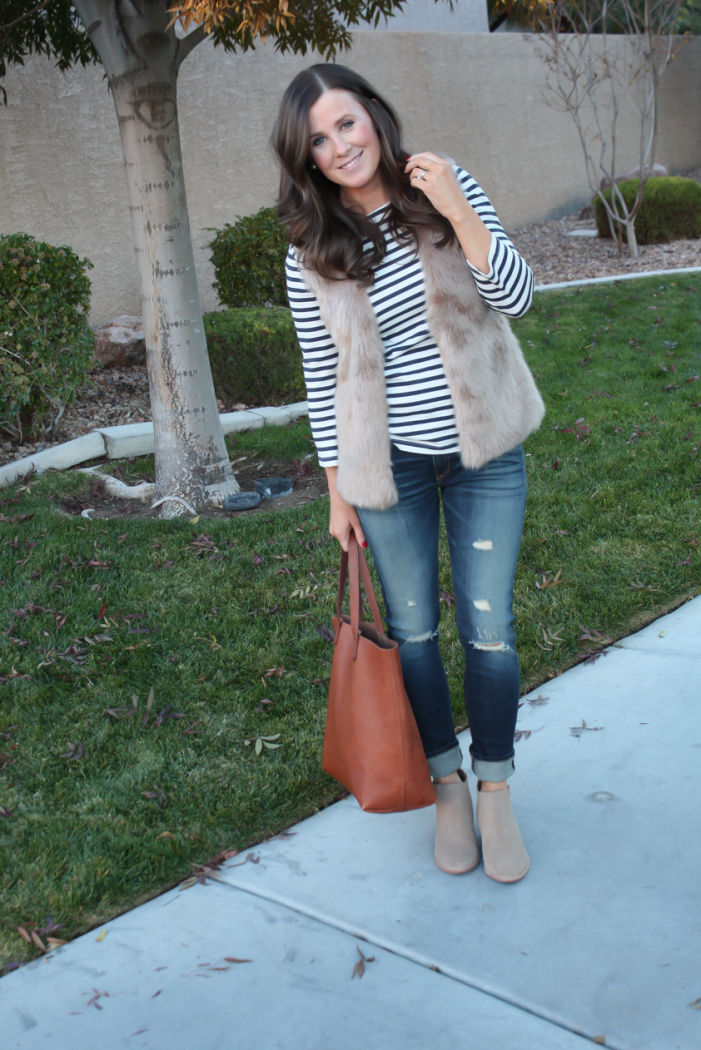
[399,276]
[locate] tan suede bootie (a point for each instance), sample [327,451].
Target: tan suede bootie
[456,845]
[505,857]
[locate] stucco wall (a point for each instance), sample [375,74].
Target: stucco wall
[477,97]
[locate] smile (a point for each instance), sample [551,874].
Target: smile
[351,163]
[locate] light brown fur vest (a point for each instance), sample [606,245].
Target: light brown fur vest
[495,398]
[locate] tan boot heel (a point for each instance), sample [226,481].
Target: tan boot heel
[456,845]
[505,857]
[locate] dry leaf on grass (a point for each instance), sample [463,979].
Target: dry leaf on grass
[156,796]
[590,635]
[73,751]
[38,941]
[167,713]
[149,705]
[260,742]
[550,638]
[549,580]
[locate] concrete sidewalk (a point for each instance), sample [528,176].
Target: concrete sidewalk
[601,941]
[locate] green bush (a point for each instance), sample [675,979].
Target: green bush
[690,18]
[671,209]
[249,261]
[46,346]
[255,356]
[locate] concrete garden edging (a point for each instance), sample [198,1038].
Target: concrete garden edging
[609,279]
[135,439]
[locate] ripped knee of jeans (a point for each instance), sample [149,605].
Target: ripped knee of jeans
[428,636]
[491,647]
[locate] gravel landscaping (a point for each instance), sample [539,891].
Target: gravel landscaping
[115,396]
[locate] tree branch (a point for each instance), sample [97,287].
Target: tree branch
[187,44]
[27,14]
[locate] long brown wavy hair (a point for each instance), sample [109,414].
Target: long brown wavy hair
[330,236]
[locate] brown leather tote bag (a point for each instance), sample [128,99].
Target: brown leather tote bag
[372,743]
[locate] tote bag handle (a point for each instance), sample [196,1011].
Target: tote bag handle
[354,555]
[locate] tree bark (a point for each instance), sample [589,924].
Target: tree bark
[631,239]
[141,58]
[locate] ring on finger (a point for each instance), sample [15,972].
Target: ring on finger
[422,175]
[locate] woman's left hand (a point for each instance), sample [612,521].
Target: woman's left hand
[436,178]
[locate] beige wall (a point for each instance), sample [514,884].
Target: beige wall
[477,97]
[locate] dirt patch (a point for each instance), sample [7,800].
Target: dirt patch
[309,484]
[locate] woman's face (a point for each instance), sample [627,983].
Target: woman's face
[343,142]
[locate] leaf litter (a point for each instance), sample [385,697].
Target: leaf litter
[584,728]
[73,752]
[359,968]
[156,796]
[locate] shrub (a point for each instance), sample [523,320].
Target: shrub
[671,209]
[249,261]
[255,356]
[46,346]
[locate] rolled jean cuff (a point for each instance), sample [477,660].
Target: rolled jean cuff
[446,763]
[492,772]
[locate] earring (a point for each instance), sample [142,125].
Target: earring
[313,167]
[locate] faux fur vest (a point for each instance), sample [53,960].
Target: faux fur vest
[494,396]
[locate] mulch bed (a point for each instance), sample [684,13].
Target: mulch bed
[309,484]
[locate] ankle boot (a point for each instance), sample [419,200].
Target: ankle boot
[456,845]
[505,857]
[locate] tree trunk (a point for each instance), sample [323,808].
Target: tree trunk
[632,239]
[141,60]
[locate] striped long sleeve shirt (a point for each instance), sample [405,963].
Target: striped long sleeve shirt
[420,409]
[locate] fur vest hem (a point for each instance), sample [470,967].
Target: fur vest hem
[495,399]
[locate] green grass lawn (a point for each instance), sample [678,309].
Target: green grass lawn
[102,807]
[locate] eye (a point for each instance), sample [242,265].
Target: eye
[348,123]
[318,142]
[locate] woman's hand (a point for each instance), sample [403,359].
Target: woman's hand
[435,177]
[343,517]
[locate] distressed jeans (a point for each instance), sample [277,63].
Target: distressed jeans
[483,511]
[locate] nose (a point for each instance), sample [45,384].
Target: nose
[341,146]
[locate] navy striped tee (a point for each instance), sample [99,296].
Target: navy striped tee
[420,408]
